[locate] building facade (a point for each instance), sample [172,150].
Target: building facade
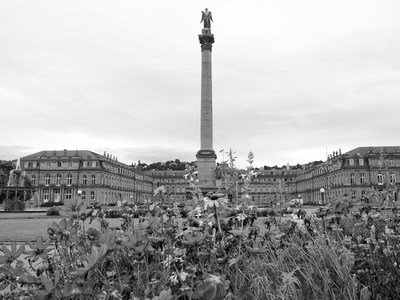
[273,186]
[176,186]
[353,174]
[59,175]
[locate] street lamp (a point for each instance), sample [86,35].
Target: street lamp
[79,193]
[131,199]
[322,191]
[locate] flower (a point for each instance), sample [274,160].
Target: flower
[38,250]
[215,200]
[65,231]
[75,208]
[91,259]
[208,288]
[93,234]
[9,277]
[241,217]
[10,255]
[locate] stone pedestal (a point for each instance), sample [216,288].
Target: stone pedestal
[206,156]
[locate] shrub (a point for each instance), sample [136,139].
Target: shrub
[15,204]
[51,204]
[53,211]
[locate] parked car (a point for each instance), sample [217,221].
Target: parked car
[296,202]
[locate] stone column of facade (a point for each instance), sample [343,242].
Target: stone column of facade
[206,156]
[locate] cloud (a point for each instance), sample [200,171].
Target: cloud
[290,79]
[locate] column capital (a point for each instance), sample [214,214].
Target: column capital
[206,41]
[205,153]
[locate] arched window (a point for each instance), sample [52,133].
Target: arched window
[92,196]
[69,180]
[47,179]
[93,179]
[352,178]
[392,178]
[380,178]
[362,178]
[33,179]
[58,179]
[84,179]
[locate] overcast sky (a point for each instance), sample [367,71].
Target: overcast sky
[292,79]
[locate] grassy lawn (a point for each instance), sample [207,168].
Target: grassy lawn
[26,229]
[23,227]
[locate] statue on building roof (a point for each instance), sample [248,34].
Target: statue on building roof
[206,17]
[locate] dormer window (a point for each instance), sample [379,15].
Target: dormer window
[351,162]
[361,161]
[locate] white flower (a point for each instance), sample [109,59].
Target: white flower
[215,203]
[173,278]
[241,217]
[388,231]
[183,275]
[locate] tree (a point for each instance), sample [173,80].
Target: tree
[5,168]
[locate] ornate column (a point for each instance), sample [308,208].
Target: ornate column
[206,156]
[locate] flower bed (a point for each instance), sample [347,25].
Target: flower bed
[217,252]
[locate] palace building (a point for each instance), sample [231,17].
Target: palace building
[354,174]
[60,175]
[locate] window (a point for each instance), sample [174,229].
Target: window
[47,179]
[59,164]
[57,195]
[363,194]
[69,164]
[392,178]
[351,162]
[352,178]
[84,179]
[353,195]
[58,179]
[380,178]
[83,195]
[391,162]
[35,164]
[33,179]
[361,161]
[92,196]
[48,164]
[68,194]
[93,179]
[46,195]
[94,163]
[362,178]
[69,180]
[85,164]
[26,164]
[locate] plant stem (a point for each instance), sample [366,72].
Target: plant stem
[217,219]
